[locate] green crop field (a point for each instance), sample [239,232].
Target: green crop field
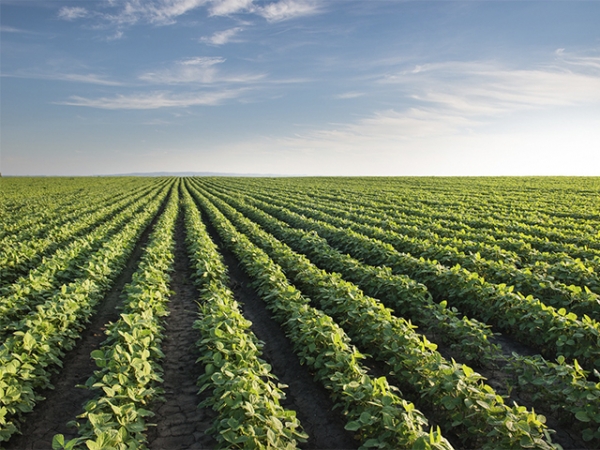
[215,312]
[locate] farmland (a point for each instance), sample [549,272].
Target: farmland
[300,312]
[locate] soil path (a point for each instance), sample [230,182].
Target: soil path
[180,424]
[311,401]
[66,400]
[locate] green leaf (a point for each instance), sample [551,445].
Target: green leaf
[28,341]
[92,445]
[365,417]
[97,354]
[369,443]
[588,434]
[582,416]
[467,370]
[58,442]
[352,426]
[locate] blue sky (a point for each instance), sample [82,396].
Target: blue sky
[300,87]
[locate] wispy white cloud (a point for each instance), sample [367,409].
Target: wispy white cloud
[589,62]
[385,128]
[198,70]
[488,88]
[193,70]
[458,99]
[154,100]
[227,7]
[205,61]
[348,95]
[222,37]
[72,12]
[158,12]
[166,12]
[118,34]
[5,29]
[287,9]
[117,15]
[273,12]
[89,78]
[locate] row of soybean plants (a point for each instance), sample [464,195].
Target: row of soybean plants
[545,248]
[557,278]
[454,394]
[37,202]
[381,234]
[563,333]
[25,247]
[412,300]
[128,375]
[41,335]
[373,410]
[446,199]
[129,372]
[561,384]
[557,265]
[243,390]
[26,199]
[445,221]
[64,266]
[540,208]
[580,300]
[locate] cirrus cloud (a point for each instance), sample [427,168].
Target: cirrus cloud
[166,12]
[450,99]
[153,100]
[222,37]
[72,12]
[287,9]
[197,70]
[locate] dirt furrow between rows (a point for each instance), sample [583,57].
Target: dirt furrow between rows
[63,403]
[311,402]
[180,424]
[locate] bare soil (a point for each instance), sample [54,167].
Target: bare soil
[180,424]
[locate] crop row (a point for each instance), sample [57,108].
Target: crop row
[537,279]
[20,254]
[32,353]
[377,416]
[469,338]
[551,260]
[540,279]
[33,217]
[550,292]
[25,202]
[548,276]
[562,385]
[486,214]
[244,391]
[554,332]
[66,265]
[336,269]
[129,371]
[460,401]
